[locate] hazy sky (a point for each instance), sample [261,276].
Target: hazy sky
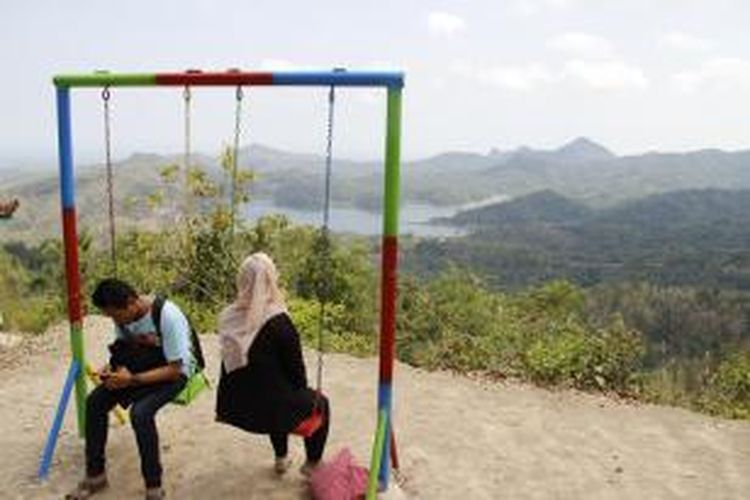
[635,75]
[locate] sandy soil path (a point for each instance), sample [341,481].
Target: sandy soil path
[458,438]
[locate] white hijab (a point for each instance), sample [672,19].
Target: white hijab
[258,300]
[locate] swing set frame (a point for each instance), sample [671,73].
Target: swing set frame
[392,81]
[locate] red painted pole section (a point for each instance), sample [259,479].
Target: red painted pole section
[388,308]
[198,78]
[70,241]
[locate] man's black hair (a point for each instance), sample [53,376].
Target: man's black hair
[114,293]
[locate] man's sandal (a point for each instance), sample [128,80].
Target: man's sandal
[155,494]
[87,488]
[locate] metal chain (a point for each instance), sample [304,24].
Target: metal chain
[187,205]
[110,179]
[329,159]
[325,235]
[235,153]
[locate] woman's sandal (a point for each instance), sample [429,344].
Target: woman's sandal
[87,488]
[308,468]
[281,465]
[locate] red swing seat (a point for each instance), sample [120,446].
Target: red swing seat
[310,425]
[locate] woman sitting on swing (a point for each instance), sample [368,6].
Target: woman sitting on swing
[263,386]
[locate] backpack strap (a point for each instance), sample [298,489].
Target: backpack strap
[195,344]
[156,307]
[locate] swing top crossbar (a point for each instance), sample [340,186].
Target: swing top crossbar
[336,77]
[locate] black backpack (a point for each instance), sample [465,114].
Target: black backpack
[156,307]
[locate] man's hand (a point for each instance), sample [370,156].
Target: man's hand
[118,379]
[121,378]
[147,339]
[104,372]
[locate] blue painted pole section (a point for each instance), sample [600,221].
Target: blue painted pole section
[384,404]
[65,148]
[341,78]
[54,432]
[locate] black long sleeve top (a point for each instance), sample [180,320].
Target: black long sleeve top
[270,393]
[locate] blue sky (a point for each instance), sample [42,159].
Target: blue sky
[635,75]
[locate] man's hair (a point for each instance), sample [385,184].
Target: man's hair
[113,293]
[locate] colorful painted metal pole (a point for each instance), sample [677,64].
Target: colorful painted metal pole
[54,432]
[70,242]
[389,270]
[377,455]
[196,78]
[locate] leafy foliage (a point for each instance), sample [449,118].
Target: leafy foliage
[30,294]
[456,323]
[728,391]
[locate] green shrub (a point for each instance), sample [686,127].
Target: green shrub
[456,323]
[728,392]
[575,355]
[335,335]
[32,314]
[25,305]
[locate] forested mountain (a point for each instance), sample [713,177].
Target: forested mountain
[687,237]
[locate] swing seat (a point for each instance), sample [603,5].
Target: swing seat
[310,425]
[194,386]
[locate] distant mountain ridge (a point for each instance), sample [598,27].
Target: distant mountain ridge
[581,170]
[584,149]
[578,150]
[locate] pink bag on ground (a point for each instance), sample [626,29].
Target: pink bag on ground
[339,479]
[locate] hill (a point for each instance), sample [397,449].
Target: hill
[694,237]
[540,207]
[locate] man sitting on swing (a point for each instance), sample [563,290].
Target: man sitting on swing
[149,366]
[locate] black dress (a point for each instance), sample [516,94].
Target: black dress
[269,394]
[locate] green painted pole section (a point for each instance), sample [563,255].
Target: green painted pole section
[377,456]
[102,79]
[76,342]
[392,162]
